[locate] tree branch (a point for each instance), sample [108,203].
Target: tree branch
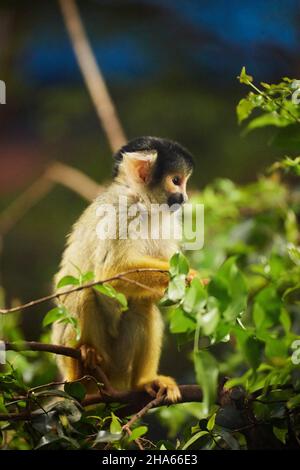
[136,401]
[23,203]
[22,346]
[55,173]
[56,295]
[93,77]
[73,179]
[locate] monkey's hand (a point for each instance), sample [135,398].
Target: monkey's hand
[90,358]
[163,385]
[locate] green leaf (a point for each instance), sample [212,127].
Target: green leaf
[281,434]
[57,313]
[294,254]
[73,321]
[115,426]
[106,289]
[179,265]
[121,298]
[268,119]
[251,347]
[230,288]
[106,436]
[244,77]
[137,432]
[194,438]
[67,281]
[269,307]
[209,321]
[87,277]
[176,288]
[75,390]
[293,402]
[195,297]
[232,443]
[211,422]
[180,323]
[109,291]
[285,320]
[207,371]
[244,109]
[276,348]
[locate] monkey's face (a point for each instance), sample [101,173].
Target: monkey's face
[171,190]
[157,168]
[175,189]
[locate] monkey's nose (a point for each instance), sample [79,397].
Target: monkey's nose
[175,198]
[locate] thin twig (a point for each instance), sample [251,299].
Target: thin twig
[152,404]
[93,77]
[57,295]
[137,441]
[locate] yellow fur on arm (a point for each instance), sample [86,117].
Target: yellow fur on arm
[153,279]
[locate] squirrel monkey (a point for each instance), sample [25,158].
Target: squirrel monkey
[126,345]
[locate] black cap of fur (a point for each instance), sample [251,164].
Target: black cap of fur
[171,156]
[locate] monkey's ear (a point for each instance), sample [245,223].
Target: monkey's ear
[138,165]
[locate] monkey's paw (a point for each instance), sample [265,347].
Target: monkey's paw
[89,357]
[163,385]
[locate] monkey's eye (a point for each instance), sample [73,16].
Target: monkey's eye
[176,180]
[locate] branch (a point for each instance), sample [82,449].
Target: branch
[135,400]
[44,347]
[158,401]
[22,204]
[56,295]
[54,173]
[93,77]
[73,179]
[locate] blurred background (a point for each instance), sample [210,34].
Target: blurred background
[171,67]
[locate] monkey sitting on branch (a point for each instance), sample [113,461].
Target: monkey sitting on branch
[126,344]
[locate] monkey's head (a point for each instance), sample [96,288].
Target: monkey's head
[159,167]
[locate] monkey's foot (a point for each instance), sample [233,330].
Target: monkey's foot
[163,385]
[89,357]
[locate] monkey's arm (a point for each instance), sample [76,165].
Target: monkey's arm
[156,281]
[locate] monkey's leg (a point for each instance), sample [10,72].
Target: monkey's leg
[147,358]
[84,306]
[69,367]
